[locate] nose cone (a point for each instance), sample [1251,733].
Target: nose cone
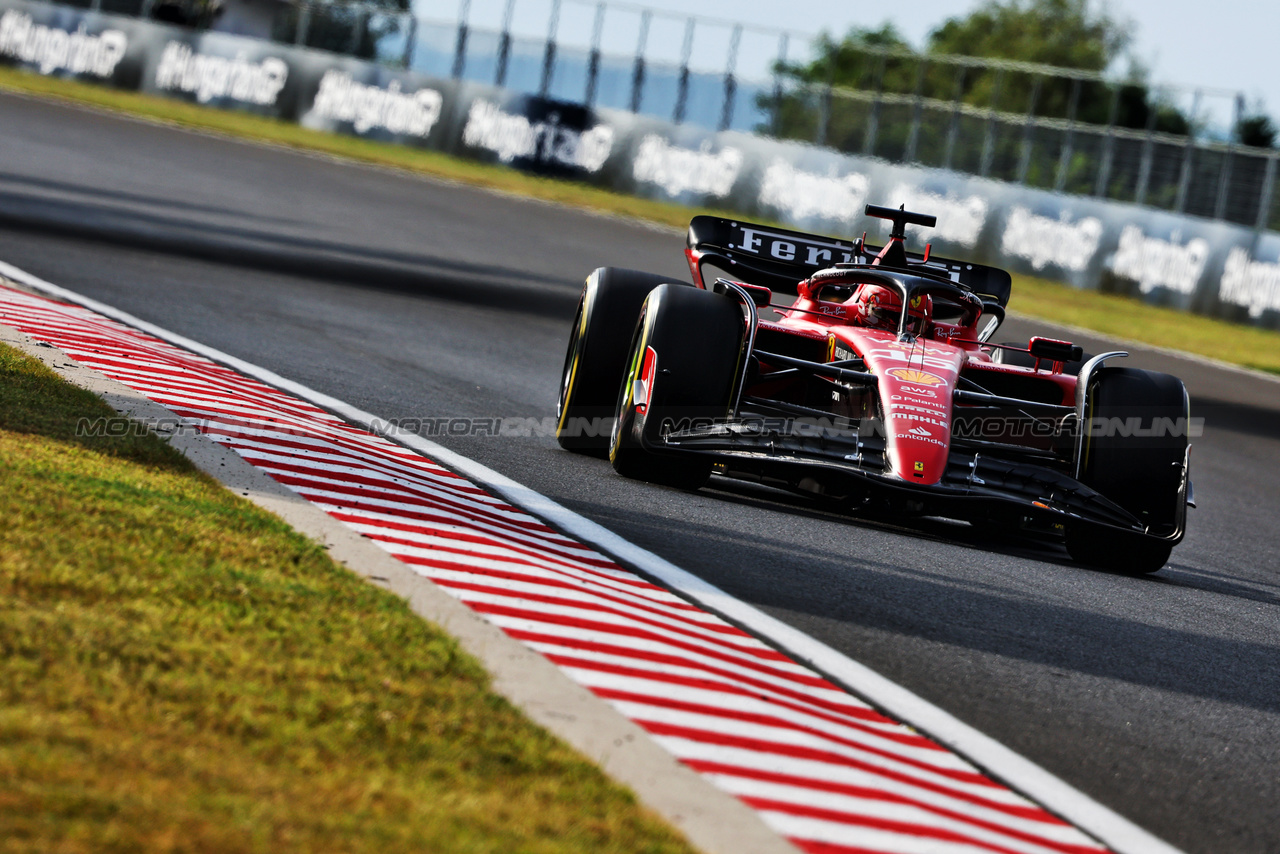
[917,407]
[916,380]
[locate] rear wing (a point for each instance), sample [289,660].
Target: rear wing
[778,259]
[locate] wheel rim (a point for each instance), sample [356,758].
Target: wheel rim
[624,390]
[570,362]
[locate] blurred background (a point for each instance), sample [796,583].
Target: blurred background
[1130,101]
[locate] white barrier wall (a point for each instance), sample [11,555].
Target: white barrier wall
[1192,264]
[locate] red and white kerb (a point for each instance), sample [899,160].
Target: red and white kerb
[820,766]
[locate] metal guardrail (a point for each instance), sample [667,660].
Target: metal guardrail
[1193,174]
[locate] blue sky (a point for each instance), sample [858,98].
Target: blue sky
[1227,45]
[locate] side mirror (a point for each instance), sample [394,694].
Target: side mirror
[1054,350]
[759,294]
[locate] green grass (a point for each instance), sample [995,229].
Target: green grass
[181,672]
[1134,320]
[1123,317]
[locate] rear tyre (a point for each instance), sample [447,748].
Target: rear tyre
[1134,453]
[684,360]
[597,356]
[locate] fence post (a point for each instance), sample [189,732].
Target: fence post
[778,65]
[504,45]
[1024,154]
[824,112]
[549,57]
[460,48]
[873,121]
[1224,178]
[304,24]
[954,129]
[1184,175]
[637,75]
[593,65]
[1064,159]
[410,41]
[1144,166]
[989,133]
[917,112]
[730,84]
[682,90]
[1108,146]
[358,31]
[1268,187]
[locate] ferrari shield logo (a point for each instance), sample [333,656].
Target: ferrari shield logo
[919,466]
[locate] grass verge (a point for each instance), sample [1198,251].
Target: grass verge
[1133,320]
[1122,317]
[181,672]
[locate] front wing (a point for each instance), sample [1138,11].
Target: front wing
[977,486]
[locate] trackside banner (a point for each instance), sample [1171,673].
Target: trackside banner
[1192,264]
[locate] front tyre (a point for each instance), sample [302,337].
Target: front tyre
[1135,454]
[685,358]
[597,356]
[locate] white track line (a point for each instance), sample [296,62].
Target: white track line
[1117,832]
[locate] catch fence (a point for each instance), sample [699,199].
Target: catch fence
[1067,131]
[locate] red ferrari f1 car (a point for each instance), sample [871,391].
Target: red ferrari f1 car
[878,387]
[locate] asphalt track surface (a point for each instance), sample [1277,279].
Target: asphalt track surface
[1157,696]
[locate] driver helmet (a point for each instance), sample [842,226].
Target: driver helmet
[879,307]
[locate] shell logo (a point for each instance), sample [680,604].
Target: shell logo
[910,375]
